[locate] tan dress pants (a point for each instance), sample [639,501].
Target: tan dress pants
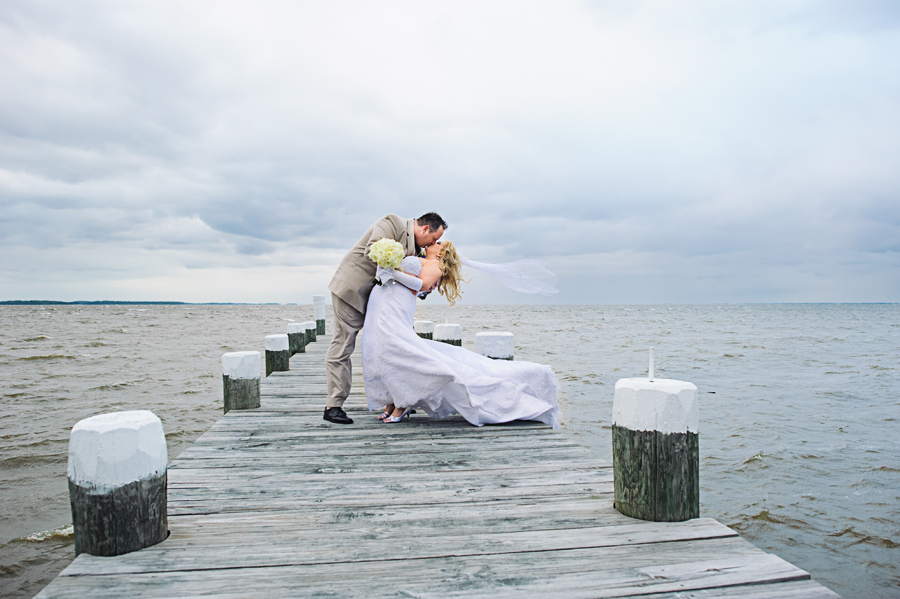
[348,321]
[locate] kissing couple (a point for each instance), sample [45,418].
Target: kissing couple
[401,370]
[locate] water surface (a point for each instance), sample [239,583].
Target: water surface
[799,407]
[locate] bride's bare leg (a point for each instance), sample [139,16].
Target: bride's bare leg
[388,410]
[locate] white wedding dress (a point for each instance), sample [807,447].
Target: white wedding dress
[400,367]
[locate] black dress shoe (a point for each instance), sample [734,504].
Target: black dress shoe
[337,415]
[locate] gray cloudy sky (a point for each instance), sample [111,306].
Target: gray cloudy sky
[647,151]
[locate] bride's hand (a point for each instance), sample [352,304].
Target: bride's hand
[427,291]
[385,274]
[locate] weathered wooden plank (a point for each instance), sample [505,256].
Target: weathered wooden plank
[261,414]
[215,506]
[310,547]
[398,446]
[633,582]
[225,505]
[240,500]
[607,572]
[795,589]
[387,454]
[400,443]
[314,434]
[293,427]
[372,463]
[277,423]
[444,448]
[534,476]
[515,514]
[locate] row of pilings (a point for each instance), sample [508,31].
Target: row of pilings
[117,461]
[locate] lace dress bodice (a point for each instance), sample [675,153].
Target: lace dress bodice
[410,265]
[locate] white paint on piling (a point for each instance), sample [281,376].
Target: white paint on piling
[296,327]
[277,342]
[447,332]
[242,365]
[663,405]
[423,327]
[311,324]
[112,450]
[495,344]
[319,306]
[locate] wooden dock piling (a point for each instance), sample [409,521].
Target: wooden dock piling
[117,483]
[278,353]
[495,345]
[311,328]
[424,329]
[448,333]
[319,312]
[656,449]
[240,380]
[296,333]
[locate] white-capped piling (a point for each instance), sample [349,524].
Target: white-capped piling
[278,353]
[319,307]
[448,333]
[656,449]
[311,328]
[117,482]
[424,329]
[240,380]
[499,345]
[296,333]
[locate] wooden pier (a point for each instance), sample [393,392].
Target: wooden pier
[276,502]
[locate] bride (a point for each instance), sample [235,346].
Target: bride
[402,371]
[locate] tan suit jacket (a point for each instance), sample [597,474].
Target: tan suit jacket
[355,276]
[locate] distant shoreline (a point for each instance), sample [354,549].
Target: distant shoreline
[124,303]
[151,303]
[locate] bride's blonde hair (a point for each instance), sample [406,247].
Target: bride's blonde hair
[450,272]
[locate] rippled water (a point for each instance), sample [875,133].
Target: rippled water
[799,410]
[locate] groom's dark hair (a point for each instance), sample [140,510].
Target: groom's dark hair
[433,220]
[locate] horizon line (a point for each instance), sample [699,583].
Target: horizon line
[180,303]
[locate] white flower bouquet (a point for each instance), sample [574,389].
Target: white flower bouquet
[387,253]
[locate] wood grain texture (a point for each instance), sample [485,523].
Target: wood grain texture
[297,342]
[277,361]
[275,502]
[125,519]
[657,475]
[240,394]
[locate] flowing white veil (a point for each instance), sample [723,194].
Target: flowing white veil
[525,276]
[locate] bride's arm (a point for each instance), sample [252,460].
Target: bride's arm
[413,282]
[428,277]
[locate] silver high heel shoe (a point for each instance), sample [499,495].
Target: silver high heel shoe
[400,418]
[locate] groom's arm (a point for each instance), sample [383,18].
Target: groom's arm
[388,227]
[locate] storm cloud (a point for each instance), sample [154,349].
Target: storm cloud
[647,151]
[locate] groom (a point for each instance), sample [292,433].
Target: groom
[350,289]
